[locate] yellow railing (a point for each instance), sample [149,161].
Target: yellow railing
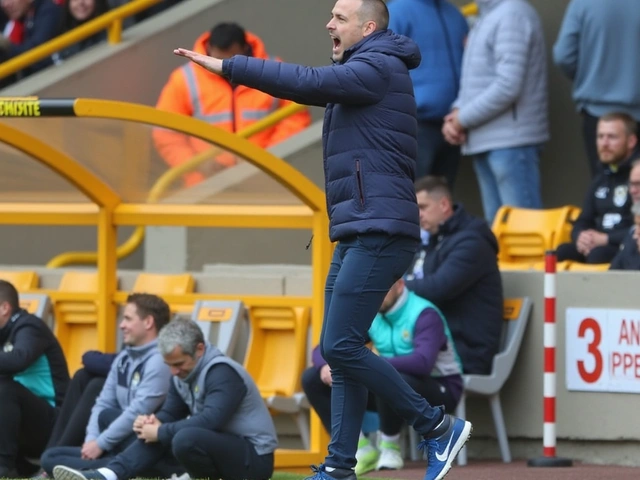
[163,183]
[470,9]
[110,21]
[106,210]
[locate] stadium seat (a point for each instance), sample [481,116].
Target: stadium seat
[276,359]
[163,284]
[588,267]
[220,322]
[76,320]
[23,280]
[516,317]
[524,235]
[37,304]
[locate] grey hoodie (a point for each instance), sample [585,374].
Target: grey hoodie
[503,90]
[137,384]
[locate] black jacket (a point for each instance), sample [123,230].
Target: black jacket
[41,23]
[607,205]
[32,356]
[628,258]
[461,277]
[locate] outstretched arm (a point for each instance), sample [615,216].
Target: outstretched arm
[360,82]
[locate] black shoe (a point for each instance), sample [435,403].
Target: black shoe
[60,472]
[7,472]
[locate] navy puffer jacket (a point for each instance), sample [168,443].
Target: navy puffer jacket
[369,134]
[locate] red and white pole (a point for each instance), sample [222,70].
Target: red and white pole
[549,391]
[549,458]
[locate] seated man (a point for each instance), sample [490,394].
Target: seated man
[606,217]
[195,92]
[33,381]
[459,274]
[628,258]
[137,383]
[412,335]
[213,424]
[83,390]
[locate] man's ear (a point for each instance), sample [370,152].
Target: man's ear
[370,27]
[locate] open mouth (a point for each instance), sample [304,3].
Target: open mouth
[336,43]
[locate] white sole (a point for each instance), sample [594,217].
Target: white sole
[462,439]
[60,472]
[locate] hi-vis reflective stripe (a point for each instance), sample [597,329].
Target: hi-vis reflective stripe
[261,113]
[194,95]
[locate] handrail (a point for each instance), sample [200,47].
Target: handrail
[164,182]
[111,21]
[470,9]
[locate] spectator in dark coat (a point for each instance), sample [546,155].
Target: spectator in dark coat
[458,271]
[77,13]
[26,25]
[628,258]
[606,217]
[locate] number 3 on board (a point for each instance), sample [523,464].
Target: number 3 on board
[589,324]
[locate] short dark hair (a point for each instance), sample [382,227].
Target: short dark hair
[225,35]
[9,294]
[434,185]
[630,125]
[375,10]
[149,304]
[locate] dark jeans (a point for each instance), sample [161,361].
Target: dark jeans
[71,456]
[435,155]
[568,251]
[201,452]
[363,269]
[69,429]
[428,388]
[319,395]
[26,422]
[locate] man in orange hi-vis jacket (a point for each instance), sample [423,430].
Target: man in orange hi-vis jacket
[195,92]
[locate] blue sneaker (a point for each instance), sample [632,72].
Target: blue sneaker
[320,473]
[60,472]
[442,450]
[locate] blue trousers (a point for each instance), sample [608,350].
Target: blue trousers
[363,269]
[509,176]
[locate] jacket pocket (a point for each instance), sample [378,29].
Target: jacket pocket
[359,181]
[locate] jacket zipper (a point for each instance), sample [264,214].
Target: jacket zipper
[515,112]
[359,178]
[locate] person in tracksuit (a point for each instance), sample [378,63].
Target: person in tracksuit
[214,423]
[137,383]
[606,212]
[33,381]
[369,149]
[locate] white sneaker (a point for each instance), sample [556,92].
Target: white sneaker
[184,476]
[390,457]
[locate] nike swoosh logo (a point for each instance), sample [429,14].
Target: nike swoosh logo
[445,454]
